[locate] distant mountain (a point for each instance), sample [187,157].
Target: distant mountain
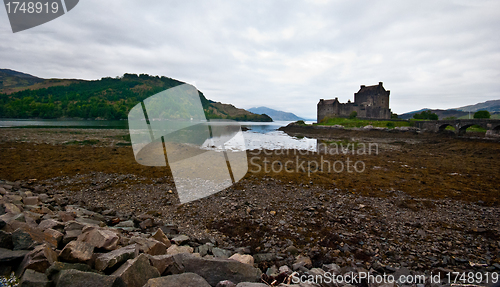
[13,81]
[13,73]
[275,115]
[26,96]
[10,79]
[490,106]
[442,114]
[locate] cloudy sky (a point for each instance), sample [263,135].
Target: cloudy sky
[281,54]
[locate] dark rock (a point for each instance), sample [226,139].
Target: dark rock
[146,223]
[243,250]
[250,284]
[262,257]
[203,249]
[446,260]
[57,267]
[126,224]
[31,200]
[292,250]
[169,229]
[118,256]
[184,280]
[6,240]
[66,216]
[11,208]
[286,270]
[143,216]
[43,197]
[136,272]
[100,238]
[31,218]
[75,278]
[34,215]
[150,246]
[82,212]
[73,225]
[39,259]
[50,223]
[225,283]
[346,248]
[9,217]
[272,271]
[56,235]
[71,235]
[221,253]
[161,262]
[88,221]
[390,269]
[32,278]
[77,251]
[302,261]
[7,255]
[109,212]
[215,270]
[26,237]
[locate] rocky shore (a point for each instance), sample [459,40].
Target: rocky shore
[75,205]
[47,240]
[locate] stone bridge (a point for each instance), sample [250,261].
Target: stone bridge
[460,126]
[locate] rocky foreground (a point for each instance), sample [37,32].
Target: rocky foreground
[46,242]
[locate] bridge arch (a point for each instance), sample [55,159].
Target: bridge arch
[463,129]
[442,127]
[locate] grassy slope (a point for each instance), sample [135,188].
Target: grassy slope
[357,123]
[21,86]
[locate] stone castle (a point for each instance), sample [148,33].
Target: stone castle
[370,102]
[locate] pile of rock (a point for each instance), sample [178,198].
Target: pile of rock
[46,245]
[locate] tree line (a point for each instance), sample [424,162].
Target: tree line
[428,115]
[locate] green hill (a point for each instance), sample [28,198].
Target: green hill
[25,96]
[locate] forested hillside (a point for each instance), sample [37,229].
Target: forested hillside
[107,98]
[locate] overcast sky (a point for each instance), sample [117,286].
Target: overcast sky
[280,54]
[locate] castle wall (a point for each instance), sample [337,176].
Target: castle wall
[336,110]
[370,102]
[325,110]
[363,99]
[378,100]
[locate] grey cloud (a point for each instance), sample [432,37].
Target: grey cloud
[282,54]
